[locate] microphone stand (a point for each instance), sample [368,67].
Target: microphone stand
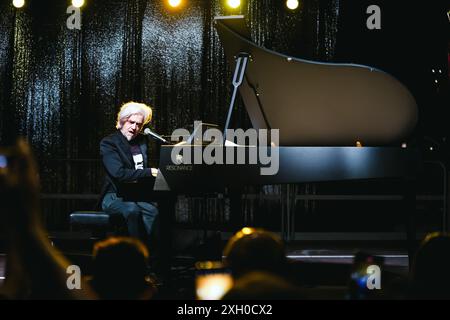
[148,132]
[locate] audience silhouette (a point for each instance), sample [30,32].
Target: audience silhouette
[120,269]
[430,273]
[258,264]
[34,268]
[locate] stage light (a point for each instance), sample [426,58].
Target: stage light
[77,3]
[18,3]
[174,3]
[234,4]
[247,230]
[292,4]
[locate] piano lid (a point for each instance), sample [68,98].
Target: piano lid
[314,103]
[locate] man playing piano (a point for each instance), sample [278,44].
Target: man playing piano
[124,157]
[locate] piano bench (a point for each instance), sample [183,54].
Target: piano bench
[98,222]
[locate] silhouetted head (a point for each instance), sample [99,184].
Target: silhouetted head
[260,285]
[120,268]
[19,188]
[255,250]
[431,277]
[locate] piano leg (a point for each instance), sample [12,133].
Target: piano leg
[285,212]
[409,208]
[288,203]
[164,249]
[236,212]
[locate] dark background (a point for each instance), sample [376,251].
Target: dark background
[62,88]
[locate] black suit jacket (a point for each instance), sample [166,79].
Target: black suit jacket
[118,161]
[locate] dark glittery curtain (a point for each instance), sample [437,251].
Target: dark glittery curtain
[61,88]
[308,32]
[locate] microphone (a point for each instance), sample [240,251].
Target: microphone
[149,132]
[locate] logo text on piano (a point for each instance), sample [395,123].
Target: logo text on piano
[249,147]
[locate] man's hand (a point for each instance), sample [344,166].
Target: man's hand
[154,172]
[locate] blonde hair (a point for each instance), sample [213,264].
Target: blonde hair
[131,108]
